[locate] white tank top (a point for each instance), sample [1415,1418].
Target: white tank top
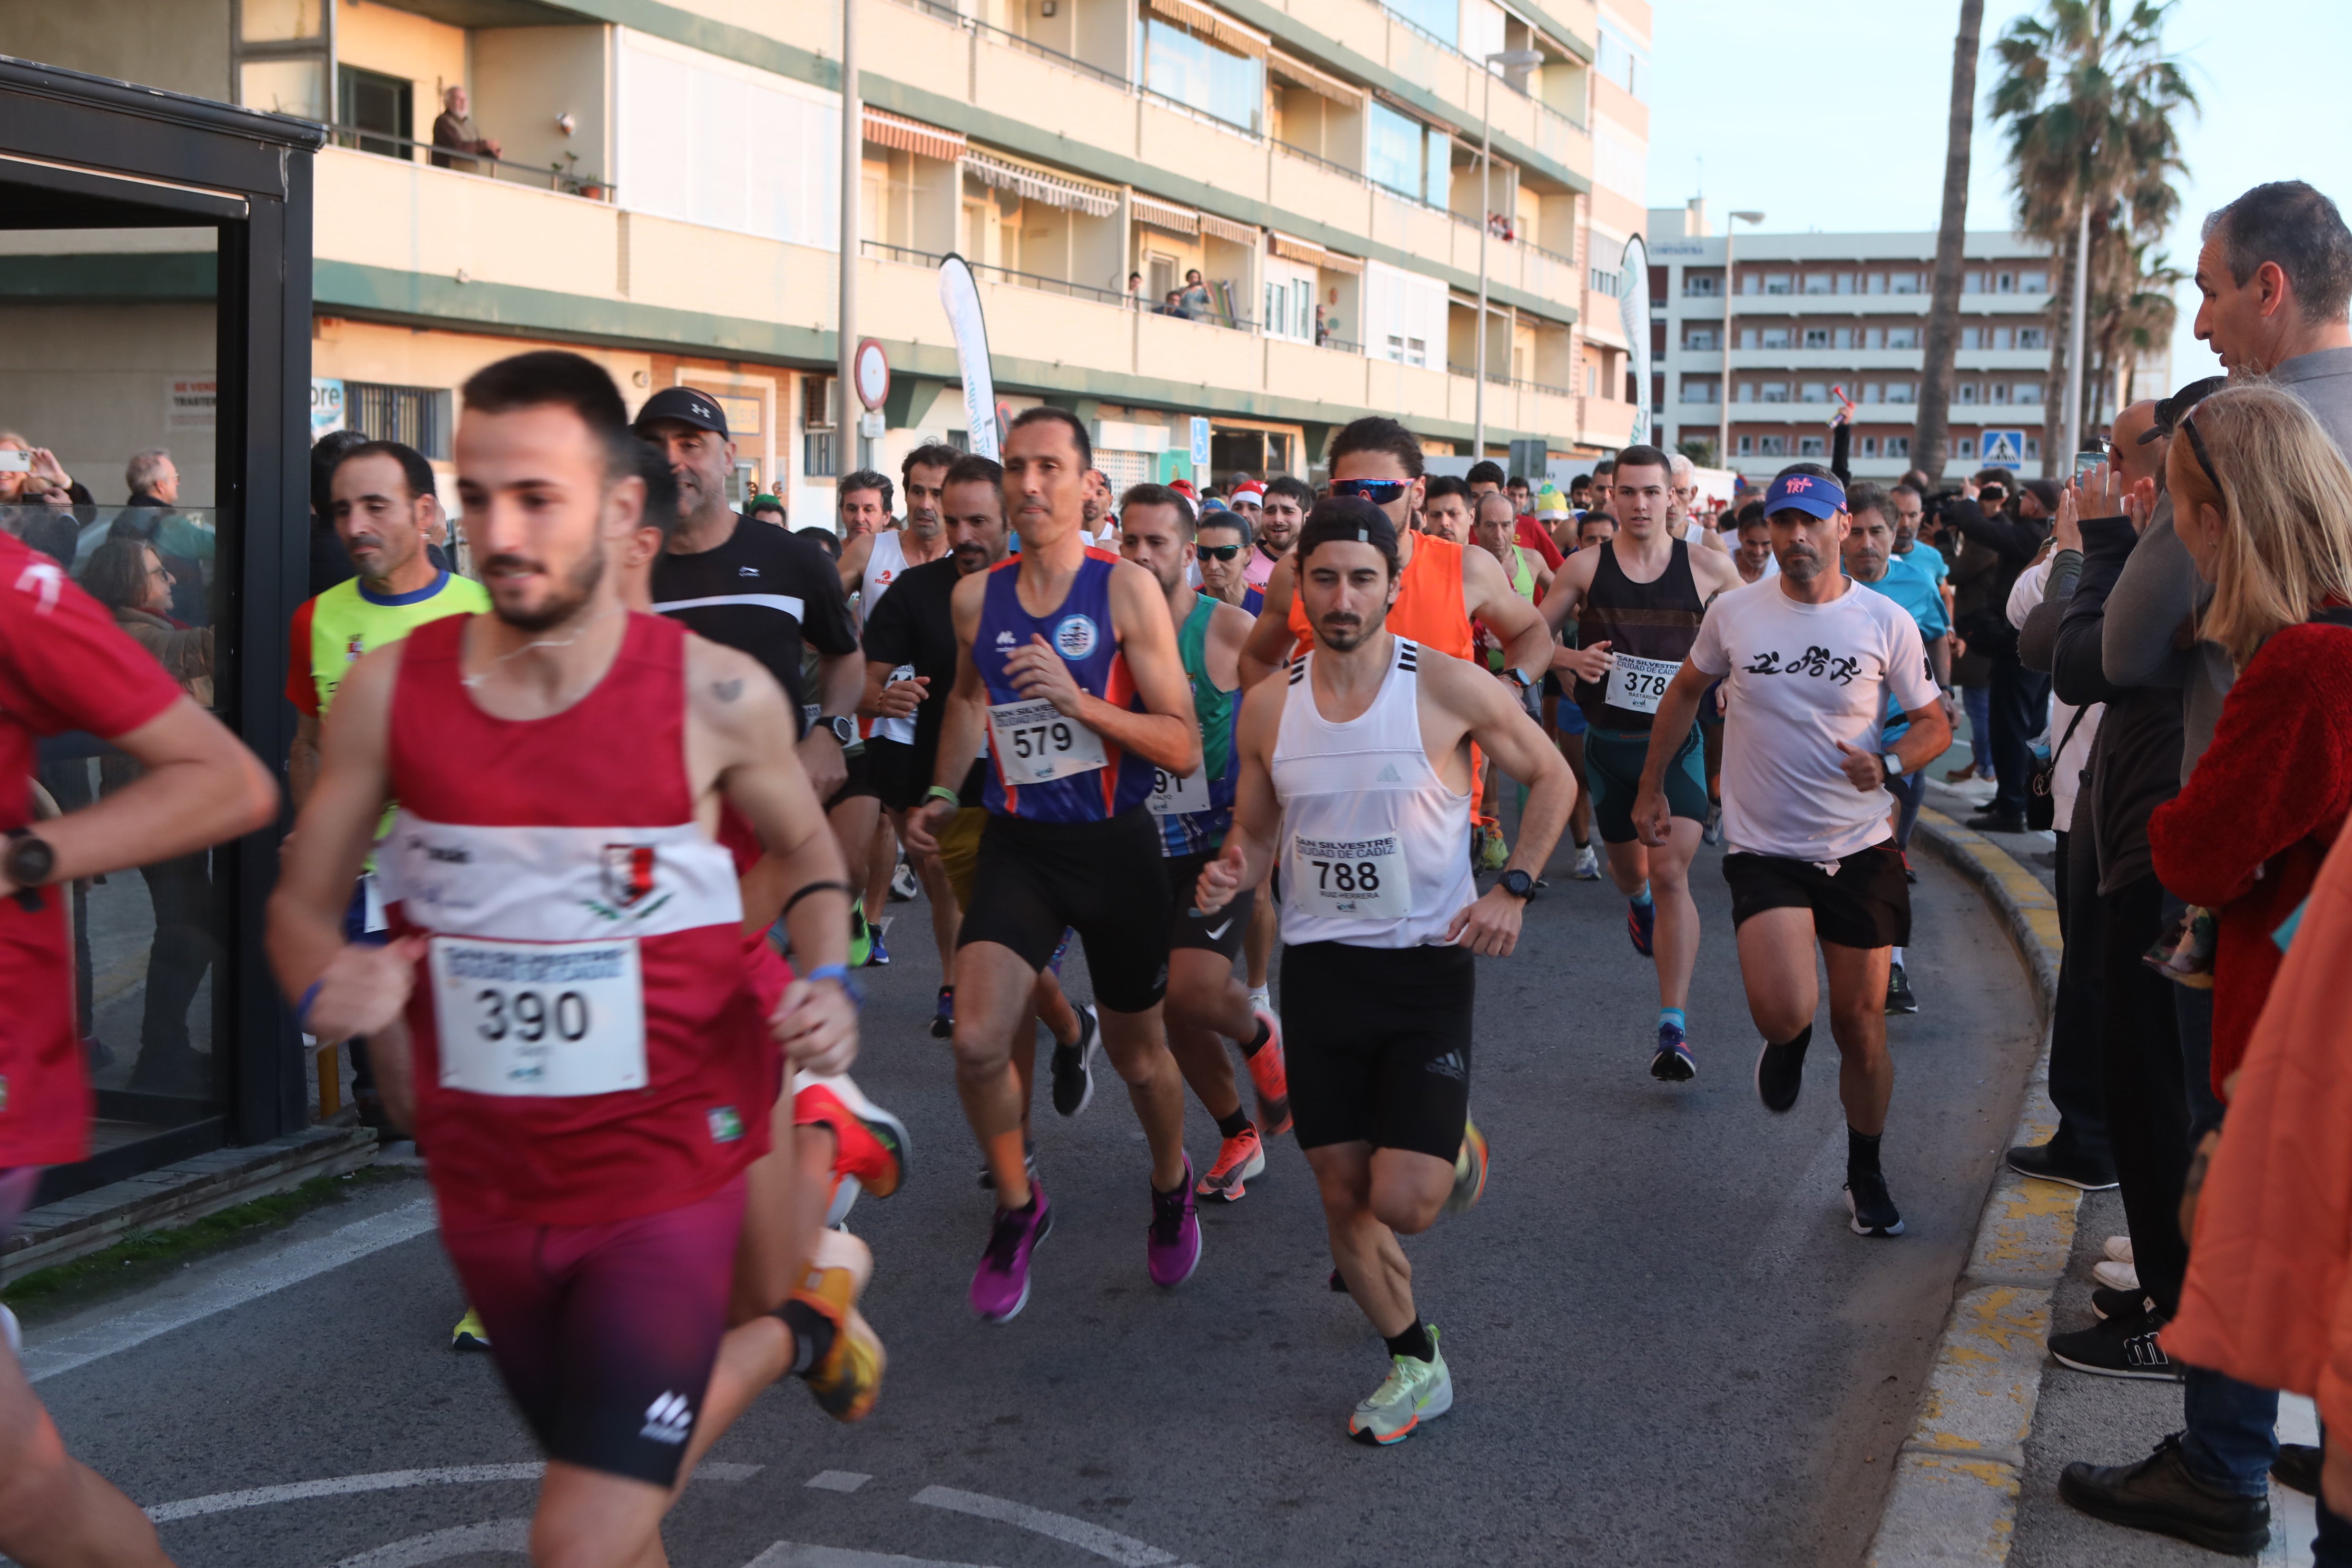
[1376,849]
[885,565]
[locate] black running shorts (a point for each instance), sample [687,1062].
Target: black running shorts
[1220,933]
[1864,903]
[1378,1044]
[891,765]
[1106,880]
[860,781]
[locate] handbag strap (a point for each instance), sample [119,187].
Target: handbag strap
[2069,738]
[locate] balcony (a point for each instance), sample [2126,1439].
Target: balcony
[382,212]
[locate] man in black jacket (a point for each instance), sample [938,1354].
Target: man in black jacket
[2020,697]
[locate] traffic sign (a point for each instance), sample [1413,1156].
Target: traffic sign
[870,367]
[1200,445]
[2003,449]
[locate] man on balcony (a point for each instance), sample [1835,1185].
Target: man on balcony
[455,130]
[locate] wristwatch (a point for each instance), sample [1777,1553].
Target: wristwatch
[1891,764]
[839,973]
[1518,884]
[1519,676]
[844,727]
[28,859]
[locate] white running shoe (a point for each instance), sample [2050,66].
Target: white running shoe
[2118,1248]
[1587,866]
[2115,1275]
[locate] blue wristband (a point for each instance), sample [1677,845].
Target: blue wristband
[840,972]
[302,1009]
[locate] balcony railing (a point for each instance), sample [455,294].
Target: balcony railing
[568,182]
[1038,281]
[945,11]
[1409,26]
[1502,378]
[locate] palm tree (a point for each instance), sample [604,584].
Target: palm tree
[1951,234]
[2133,311]
[2089,98]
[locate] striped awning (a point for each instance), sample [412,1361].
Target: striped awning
[1238,37]
[1037,186]
[888,129]
[1300,74]
[1313,254]
[1227,230]
[1166,214]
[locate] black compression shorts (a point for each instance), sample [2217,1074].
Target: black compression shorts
[1378,1045]
[1106,880]
[892,766]
[1220,933]
[1866,902]
[860,781]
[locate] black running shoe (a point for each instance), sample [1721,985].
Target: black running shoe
[2113,1306]
[1867,1199]
[2120,1347]
[1074,1067]
[1780,1073]
[2297,1467]
[1899,999]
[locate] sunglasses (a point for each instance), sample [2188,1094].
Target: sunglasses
[1220,551]
[2197,450]
[1379,492]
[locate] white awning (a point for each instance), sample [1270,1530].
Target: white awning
[1037,186]
[1238,37]
[1227,230]
[1313,254]
[888,129]
[1299,73]
[1166,214]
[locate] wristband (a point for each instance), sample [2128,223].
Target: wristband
[844,888]
[302,1009]
[941,791]
[839,974]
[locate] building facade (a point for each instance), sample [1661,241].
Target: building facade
[1808,318]
[664,196]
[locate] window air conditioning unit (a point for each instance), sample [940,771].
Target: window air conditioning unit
[818,399]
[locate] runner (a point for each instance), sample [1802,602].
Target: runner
[1446,510]
[1567,719]
[767,592]
[1494,528]
[1246,502]
[1809,662]
[1075,724]
[1870,559]
[64,667]
[1637,600]
[1221,542]
[1286,504]
[1206,1006]
[1360,761]
[591,1202]
[1754,557]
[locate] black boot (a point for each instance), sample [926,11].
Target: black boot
[2159,1495]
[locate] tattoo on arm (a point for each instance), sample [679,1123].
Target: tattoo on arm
[727,690]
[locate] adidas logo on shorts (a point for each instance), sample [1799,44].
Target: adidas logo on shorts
[1448,1065]
[668,1420]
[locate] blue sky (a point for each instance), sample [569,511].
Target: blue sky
[1830,116]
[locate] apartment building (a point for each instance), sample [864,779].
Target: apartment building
[664,196]
[1807,315]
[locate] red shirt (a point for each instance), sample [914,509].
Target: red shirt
[1535,537]
[64,666]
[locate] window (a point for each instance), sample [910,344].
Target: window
[1906,283]
[1971,338]
[1966,447]
[2034,282]
[1745,446]
[1618,57]
[1878,282]
[2004,283]
[1820,283]
[1610,283]
[1776,337]
[819,453]
[1592,380]
[1772,445]
[1902,337]
[1898,446]
[1902,392]
[1746,337]
[1779,283]
[1964,393]
[2029,392]
[2000,392]
[370,100]
[1746,392]
[1870,445]
[1812,446]
[1183,65]
[1845,336]
[2033,337]
[1814,392]
[1873,393]
[1775,391]
[2032,448]
[1817,337]
[1409,350]
[1846,281]
[1701,285]
[417,417]
[1702,337]
[1999,337]
[1875,338]
[1698,389]
[1972,282]
[1398,150]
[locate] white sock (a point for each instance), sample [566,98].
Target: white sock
[1261,997]
[1899,955]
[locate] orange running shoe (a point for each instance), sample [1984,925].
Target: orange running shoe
[871,1143]
[1270,1075]
[1239,1158]
[849,1380]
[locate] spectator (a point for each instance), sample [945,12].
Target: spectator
[328,564]
[1195,303]
[1322,328]
[454,129]
[127,577]
[767,508]
[1134,289]
[152,479]
[1522,496]
[825,539]
[55,531]
[1168,305]
[2017,700]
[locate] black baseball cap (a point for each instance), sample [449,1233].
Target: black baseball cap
[2170,411]
[685,406]
[1350,518]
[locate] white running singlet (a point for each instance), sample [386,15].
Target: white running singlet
[1376,848]
[885,565]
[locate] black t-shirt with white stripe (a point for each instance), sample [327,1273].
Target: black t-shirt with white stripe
[765,592]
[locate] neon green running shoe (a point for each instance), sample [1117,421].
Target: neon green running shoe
[1412,1391]
[469,1334]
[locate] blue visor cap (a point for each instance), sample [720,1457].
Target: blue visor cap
[1805,493]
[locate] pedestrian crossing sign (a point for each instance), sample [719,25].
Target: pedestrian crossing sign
[2004,450]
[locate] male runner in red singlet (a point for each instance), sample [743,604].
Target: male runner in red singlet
[589,1063]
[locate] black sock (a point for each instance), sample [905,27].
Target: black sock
[1234,1125]
[1860,1154]
[813,1334]
[1257,1042]
[1798,1041]
[1413,1341]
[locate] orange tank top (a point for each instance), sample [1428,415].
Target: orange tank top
[1429,606]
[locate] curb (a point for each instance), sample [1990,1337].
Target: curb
[1958,1475]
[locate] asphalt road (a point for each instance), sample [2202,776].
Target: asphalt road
[1666,1345]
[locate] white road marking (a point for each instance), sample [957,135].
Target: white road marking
[233,1287]
[459,1540]
[792,1554]
[392,1480]
[1124,1550]
[1819,1192]
[837,1481]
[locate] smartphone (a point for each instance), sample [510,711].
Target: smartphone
[2086,461]
[14,462]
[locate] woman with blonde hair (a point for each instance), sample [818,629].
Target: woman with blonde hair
[2262,501]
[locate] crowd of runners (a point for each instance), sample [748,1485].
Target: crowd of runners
[592,852]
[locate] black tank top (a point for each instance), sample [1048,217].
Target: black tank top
[1649,620]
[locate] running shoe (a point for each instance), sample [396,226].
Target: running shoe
[1239,1158]
[870,1143]
[848,1379]
[1261,997]
[845,1198]
[1000,1286]
[1641,925]
[2110,1305]
[1414,1391]
[943,1014]
[2118,1247]
[902,884]
[1712,832]
[1674,1062]
[861,939]
[1270,1075]
[469,1334]
[1493,853]
[1469,1168]
[876,955]
[1780,1073]
[1587,865]
[12,1332]
[2121,1346]
[2115,1275]
[1870,1204]
[1171,1245]
[1899,995]
[1028,1162]
[1074,1065]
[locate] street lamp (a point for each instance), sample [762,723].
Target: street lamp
[1519,62]
[1723,381]
[849,451]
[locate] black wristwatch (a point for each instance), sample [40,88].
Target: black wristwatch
[28,859]
[843,728]
[1518,884]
